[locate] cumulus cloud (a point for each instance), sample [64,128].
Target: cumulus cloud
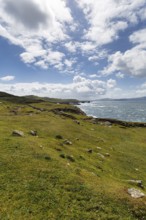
[7,78]
[81,88]
[107,18]
[132,61]
[36,25]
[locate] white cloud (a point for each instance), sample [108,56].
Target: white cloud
[132,61]
[7,78]
[36,25]
[81,88]
[93,76]
[107,18]
[71,46]
[111,83]
[120,75]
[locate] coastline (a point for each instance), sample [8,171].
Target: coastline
[123,123]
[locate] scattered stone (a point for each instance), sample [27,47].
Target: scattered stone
[71,158]
[67,142]
[62,156]
[136,169]
[135,193]
[77,122]
[58,149]
[41,146]
[58,136]
[107,123]
[137,183]
[101,155]
[33,133]
[101,140]
[107,154]
[99,148]
[17,133]
[90,151]
[47,157]
[92,129]
[81,157]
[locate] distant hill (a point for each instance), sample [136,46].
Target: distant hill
[34,99]
[123,99]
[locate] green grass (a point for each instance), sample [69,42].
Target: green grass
[36,182]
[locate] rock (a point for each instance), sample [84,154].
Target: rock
[62,156]
[47,157]
[135,193]
[71,158]
[90,151]
[77,139]
[137,183]
[33,133]
[101,155]
[107,154]
[107,123]
[67,142]
[99,148]
[77,122]
[58,149]
[17,133]
[58,136]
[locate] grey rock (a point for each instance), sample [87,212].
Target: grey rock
[67,142]
[77,122]
[107,123]
[135,193]
[58,136]
[33,133]
[90,151]
[71,158]
[107,154]
[101,155]
[99,148]
[18,133]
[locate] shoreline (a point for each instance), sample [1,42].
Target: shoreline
[123,123]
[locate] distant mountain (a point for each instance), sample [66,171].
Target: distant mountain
[124,99]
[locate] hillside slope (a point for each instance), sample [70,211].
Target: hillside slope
[67,166]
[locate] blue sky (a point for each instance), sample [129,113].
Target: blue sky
[83,49]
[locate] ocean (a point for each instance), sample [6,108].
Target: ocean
[134,111]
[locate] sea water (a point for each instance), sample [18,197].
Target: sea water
[123,110]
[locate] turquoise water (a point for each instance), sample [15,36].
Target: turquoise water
[124,110]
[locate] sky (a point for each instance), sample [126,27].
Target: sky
[84,49]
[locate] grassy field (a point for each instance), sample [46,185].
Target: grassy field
[85,177]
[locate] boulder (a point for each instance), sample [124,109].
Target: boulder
[135,193]
[18,133]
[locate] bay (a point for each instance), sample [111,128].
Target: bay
[134,111]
